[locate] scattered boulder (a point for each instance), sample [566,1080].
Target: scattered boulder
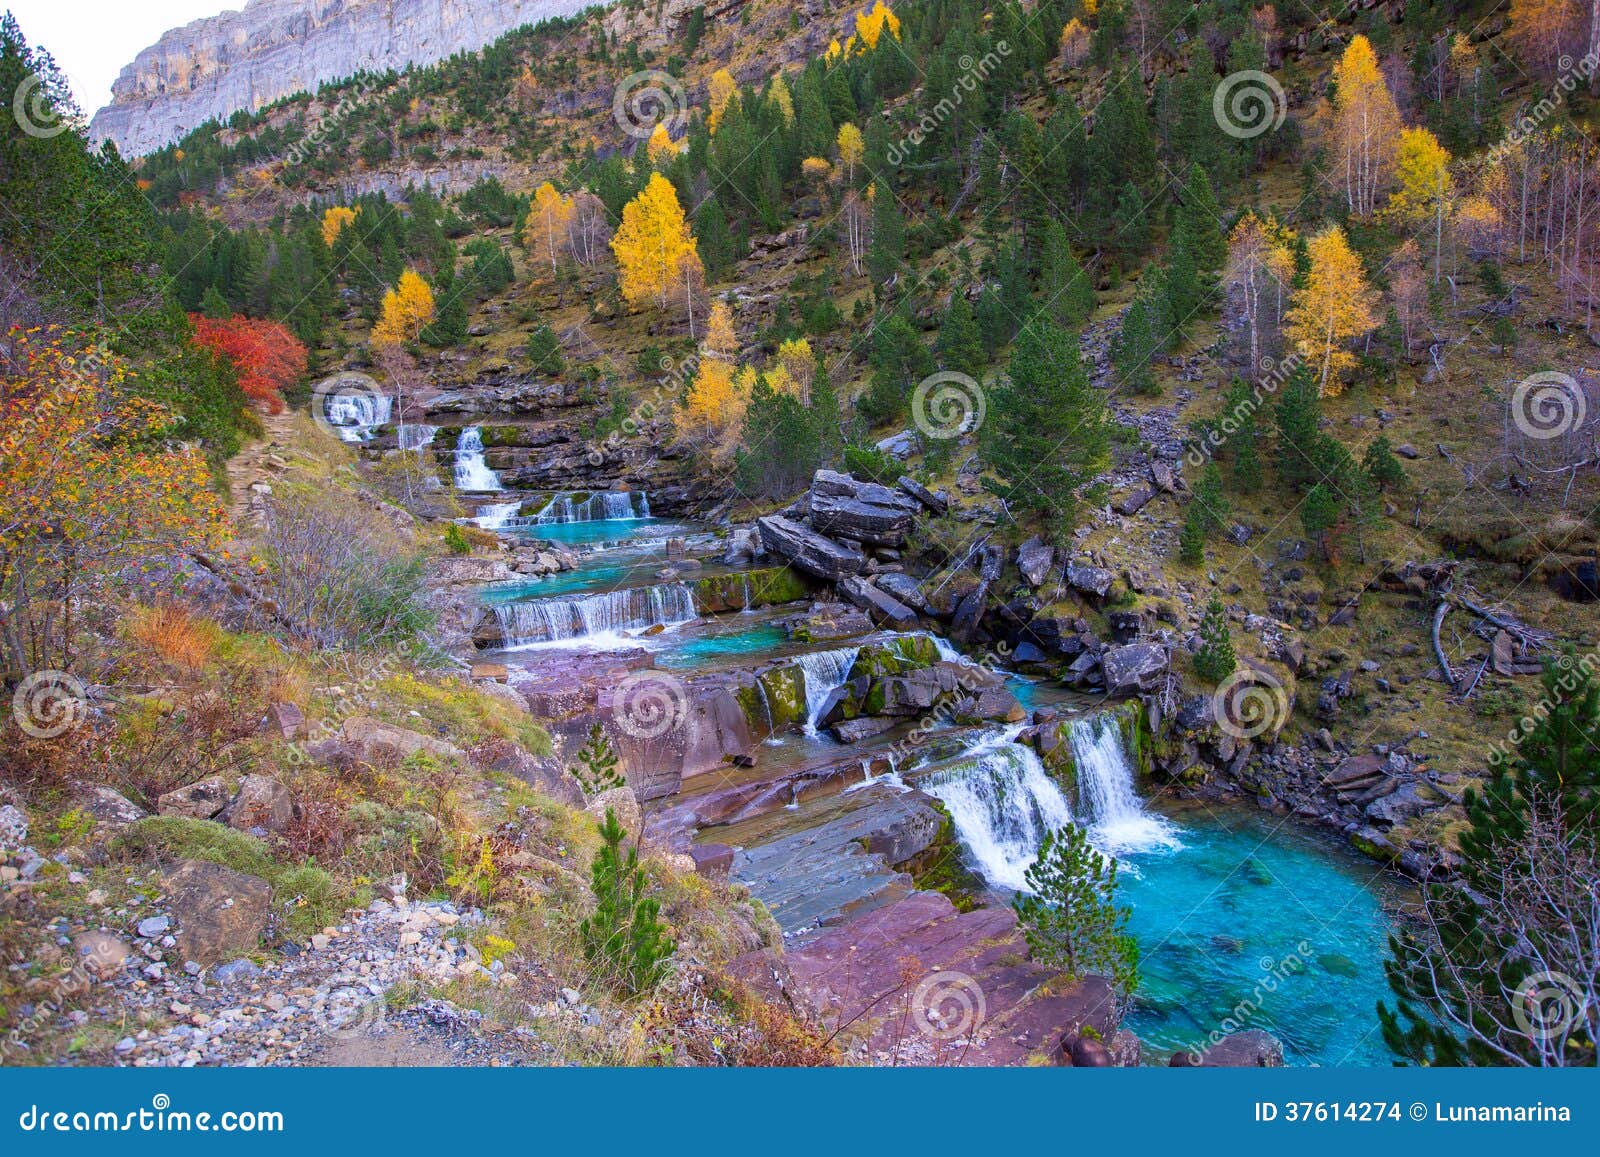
[490,673]
[935,503]
[1034,559]
[1134,668]
[1133,501]
[809,551]
[1091,580]
[290,720]
[262,802]
[623,802]
[884,608]
[111,809]
[200,801]
[713,860]
[855,730]
[373,737]
[220,913]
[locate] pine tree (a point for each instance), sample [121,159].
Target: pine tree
[959,346]
[1134,348]
[1065,289]
[1381,466]
[544,351]
[1070,915]
[624,935]
[1215,660]
[1319,515]
[1527,877]
[1298,416]
[1209,498]
[597,769]
[1192,538]
[1202,222]
[888,248]
[1045,434]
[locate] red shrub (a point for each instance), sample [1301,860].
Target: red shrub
[267,357]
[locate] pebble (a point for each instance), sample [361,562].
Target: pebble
[152,926]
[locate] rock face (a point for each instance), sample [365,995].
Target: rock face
[274,48]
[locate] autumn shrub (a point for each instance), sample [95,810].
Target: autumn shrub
[173,634]
[266,356]
[336,575]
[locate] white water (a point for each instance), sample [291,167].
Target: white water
[415,436]
[595,618]
[1118,822]
[824,672]
[1003,803]
[357,415]
[496,515]
[471,473]
[605,505]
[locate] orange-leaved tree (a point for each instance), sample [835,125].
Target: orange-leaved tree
[96,494]
[334,220]
[265,355]
[656,253]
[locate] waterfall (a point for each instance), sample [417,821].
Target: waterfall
[471,473]
[587,616]
[357,415]
[1118,823]
[824,672]
[496,515]
[1003,803]
[604,505]
[415,436]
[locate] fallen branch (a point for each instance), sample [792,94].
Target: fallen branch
[1527,636]
[1439,613]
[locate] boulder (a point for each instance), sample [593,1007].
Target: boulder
[290,720]
[903,588]
[1091,580]
[373,737]
[262,802]
[809,551]
[200,801]
[109,808]
[1134,668]
[860,521]
[621,801]
[935,503]
[220,913]
[713,860]
[1086,1052]
[1405,803]
[885,609]
[855,730]
[1034,559]
[1133,501]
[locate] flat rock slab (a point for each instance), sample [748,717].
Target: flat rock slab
[809,551]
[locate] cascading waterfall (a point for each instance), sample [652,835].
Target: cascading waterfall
[496,515]
[415,436]
[357,416]
[587,616]
[1118,822]
[471,473]
[605,505]
[1003,803]
[824,672]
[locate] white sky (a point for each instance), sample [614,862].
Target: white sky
[93,39]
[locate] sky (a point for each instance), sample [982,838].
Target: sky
[93,39]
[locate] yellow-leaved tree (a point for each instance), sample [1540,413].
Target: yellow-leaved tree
[407,308]
[1259,267]
[851,149]
[1335,306]
[1074,45]
[1366,124]
[660,148]
[546,233]
[1422,167]
[334,219]
[778,93]
[872,23]
[713,405]
[719,91]
[798,365]
[656,253]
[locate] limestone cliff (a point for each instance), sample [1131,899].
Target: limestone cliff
[273,48]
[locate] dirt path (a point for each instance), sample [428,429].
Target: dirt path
[254,467]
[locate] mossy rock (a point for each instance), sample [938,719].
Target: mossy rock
[769,586]
[785,689]
[1134,722]
[1060,762]
[896,656]
[941,868]
[501,435]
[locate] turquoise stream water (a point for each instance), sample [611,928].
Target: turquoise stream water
[1255,923]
